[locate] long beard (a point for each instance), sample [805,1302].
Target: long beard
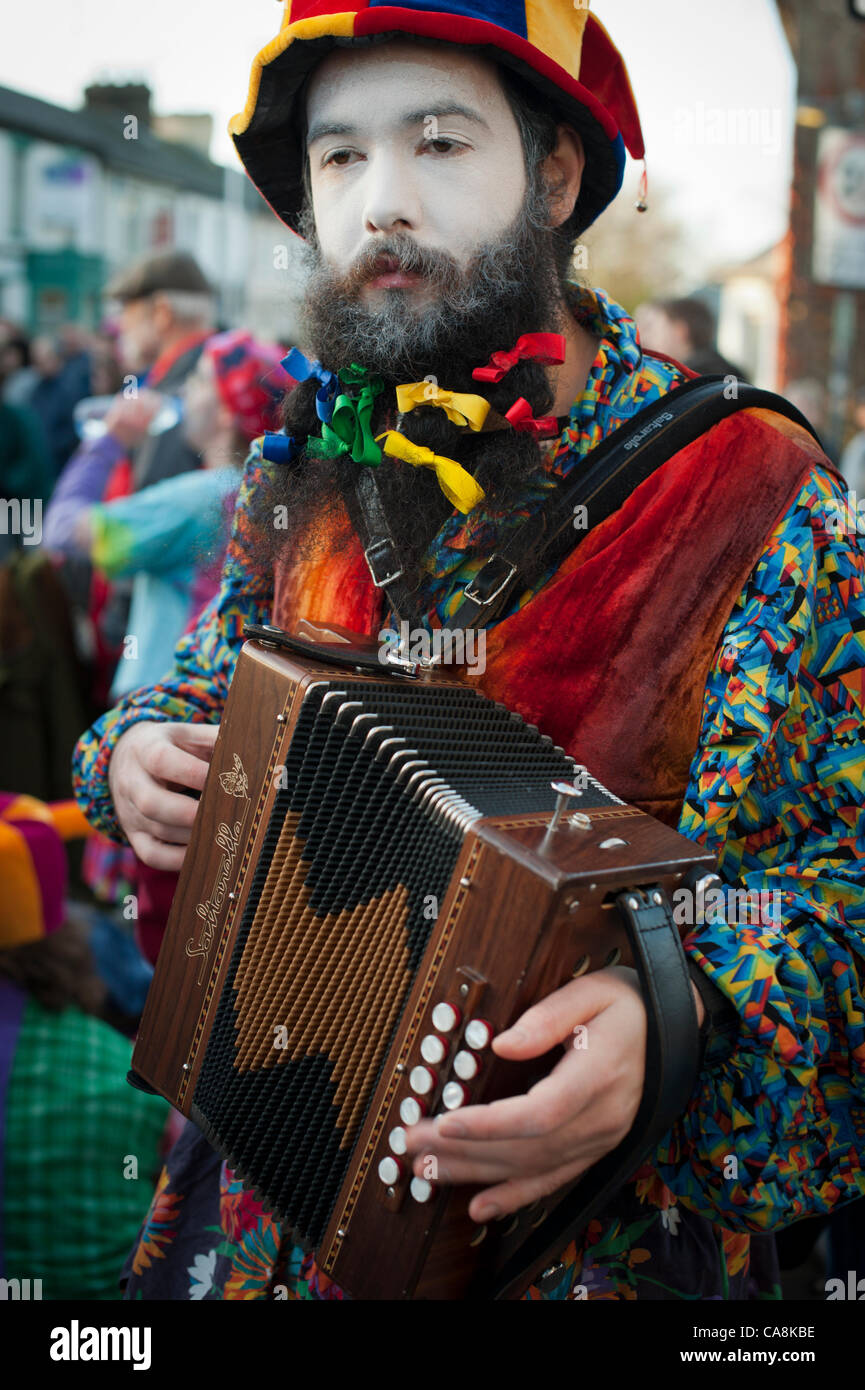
[513,286]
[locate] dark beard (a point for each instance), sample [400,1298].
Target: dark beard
[513,286]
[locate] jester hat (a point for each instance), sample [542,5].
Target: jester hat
[556,45]
[33,868]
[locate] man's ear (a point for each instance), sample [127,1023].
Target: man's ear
[161,313]
[563,173]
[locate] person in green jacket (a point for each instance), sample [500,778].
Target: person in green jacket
[79,1147]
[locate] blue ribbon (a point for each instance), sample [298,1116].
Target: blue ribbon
[301,368]
[279,448]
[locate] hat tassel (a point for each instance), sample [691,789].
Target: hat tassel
[642,203]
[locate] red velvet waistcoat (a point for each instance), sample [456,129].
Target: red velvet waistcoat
[611,657]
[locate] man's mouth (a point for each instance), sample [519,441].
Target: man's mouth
[387,274]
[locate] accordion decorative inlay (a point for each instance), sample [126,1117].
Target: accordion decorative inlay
[372,890]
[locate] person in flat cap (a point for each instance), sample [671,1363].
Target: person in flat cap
[166,309]
[167,272]
[78,1146]
[698,647]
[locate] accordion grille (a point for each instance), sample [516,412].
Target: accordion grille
[357,858]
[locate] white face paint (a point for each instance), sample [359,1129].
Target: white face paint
[406,139]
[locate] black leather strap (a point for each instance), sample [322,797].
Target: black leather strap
[720,1019]
[367,514]
[602,483]
[379,660]
[671,1070]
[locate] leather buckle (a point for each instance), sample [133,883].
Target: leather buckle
[470,591]
[379,556]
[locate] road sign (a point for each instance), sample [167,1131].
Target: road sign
[839,213]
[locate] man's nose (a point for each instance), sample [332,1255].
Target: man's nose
[391,200]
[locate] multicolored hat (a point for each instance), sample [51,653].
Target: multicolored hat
[556,45]
[249,379]
[33,867]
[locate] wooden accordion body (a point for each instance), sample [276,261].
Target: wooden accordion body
[367,850]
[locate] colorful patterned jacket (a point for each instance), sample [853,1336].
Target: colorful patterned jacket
[775,788]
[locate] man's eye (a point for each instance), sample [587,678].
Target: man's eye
[339,157]
[442,145]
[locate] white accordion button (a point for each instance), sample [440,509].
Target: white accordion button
[445,1018]
[412,1111]
[478,1034]
[433,1049]
[420,1189]
[396,1139]
[466,1065]
[422,1081]
[389,1171]
[454,1095]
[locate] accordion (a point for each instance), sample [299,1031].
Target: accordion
[380,878]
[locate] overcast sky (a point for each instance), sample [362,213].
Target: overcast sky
[714,81]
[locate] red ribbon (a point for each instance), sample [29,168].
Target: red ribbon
[546,348]
[521,417]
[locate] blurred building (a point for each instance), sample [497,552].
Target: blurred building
[750,315]
[84,192]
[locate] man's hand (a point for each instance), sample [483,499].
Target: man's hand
[526,1147]
[150,762]
[128,420]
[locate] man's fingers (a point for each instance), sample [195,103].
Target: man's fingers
[170,763]
[195,738]
[162,808]
[552,1020]
[158,829]
[476,1163]
[156,853]
[554,1101]
[512,1196]
[445,1169]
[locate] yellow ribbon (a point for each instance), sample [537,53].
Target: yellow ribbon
[460,409]
[457,485]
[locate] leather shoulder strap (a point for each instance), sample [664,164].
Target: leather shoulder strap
[603,482]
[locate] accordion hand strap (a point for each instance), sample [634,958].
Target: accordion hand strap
[672,1060]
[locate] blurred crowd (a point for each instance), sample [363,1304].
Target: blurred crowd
[121,453]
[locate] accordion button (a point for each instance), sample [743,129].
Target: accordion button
[396,1139]
[422,1081]
[454,1095]
[466,1066]
[478,1034]
[390,1171]
[412,1111]
[445,1018]
[433,1049]
[420,1189]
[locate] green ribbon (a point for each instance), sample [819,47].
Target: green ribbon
[350,428]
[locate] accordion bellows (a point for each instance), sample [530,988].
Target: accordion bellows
[349,870]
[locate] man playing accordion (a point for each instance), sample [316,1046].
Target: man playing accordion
[700,650]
